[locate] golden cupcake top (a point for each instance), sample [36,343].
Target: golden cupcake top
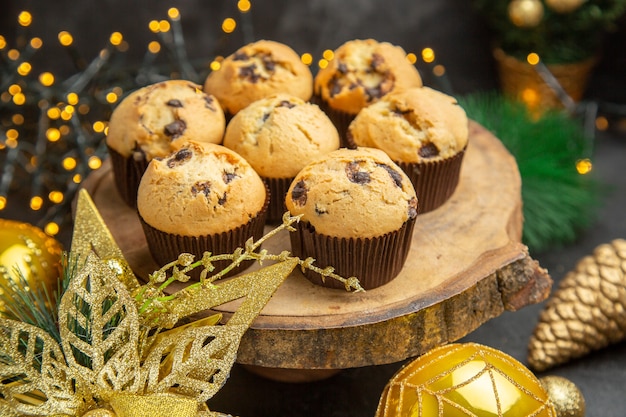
[258,70]
[280,134]
[201,189]
[157,119]
[361,72]
[416,125]
[353,193]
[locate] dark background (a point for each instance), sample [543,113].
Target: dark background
[462,44]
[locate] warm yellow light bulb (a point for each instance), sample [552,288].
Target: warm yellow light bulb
[306,58]
[14,89]
[154,47]
[229,25]
[116,38]
[19,99]
[36,43]
[322,63]
[12,134]
[98,126]
[66,115]
[154,26]
[77,178]
[11,143]
[111,97]
[25,18]
[328,54]
[164,26]
[584,166]
[532,58]
[411,57]
[36,202]
[94,162]
[17,119]
[428,55]
[51,229]
[53,113]
[173,13]
[46,79]
[65,38]
[13,54]
[602,123]
[3,42]
[24,68]
[244,5]
[69,163]
[53,134]
[3,202]
[215,65]
[72,98]
[55,197]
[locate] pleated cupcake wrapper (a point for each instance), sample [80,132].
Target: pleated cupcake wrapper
[127,174]
[166,247]
[278,190]
[434,181]
[374,261]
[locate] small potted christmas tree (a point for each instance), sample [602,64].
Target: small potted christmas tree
[565,35]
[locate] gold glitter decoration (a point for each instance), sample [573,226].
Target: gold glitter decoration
[565,396]
[464,380]
[587,312]
[28,249]
[92,235]
[114,351]
[99,412]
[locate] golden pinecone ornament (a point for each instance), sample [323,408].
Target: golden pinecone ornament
[587,312]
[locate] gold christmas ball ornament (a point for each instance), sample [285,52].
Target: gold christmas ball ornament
[525,13]
[586,312]
[564,6]
[28,249]
[565,396]
[464,379]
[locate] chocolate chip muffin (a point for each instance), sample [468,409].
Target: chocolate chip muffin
[278,136]
[425,132]
[258,70]
[358,213]
[361,73]
[155,120]
[203,197]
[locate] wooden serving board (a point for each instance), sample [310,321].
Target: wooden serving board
[466,266]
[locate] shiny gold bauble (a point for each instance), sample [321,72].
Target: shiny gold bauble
[564,6]
[459,380]
[28,249]
[565,396]
[525,13]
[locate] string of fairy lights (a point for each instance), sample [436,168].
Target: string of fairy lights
[52,130]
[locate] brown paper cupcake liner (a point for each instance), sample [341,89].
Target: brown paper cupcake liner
[374,261]
[434,181]
[127,174]
[166,247]
[278,190]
